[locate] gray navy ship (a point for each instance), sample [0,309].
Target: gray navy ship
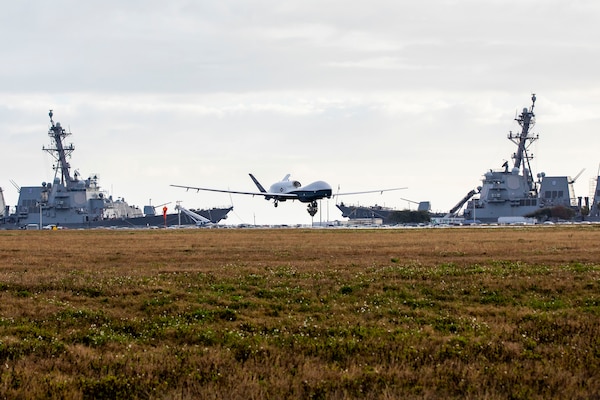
[509,193]
[512,191]
[377,212]
[72,202]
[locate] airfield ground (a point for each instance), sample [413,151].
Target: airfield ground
[301,313]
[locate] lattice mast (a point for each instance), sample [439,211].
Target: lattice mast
[60,152]
[523,140]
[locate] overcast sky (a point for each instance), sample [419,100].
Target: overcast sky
[363,95]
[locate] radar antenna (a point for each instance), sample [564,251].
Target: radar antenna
[523,140]
[60,152]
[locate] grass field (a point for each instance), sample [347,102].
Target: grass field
[505,313]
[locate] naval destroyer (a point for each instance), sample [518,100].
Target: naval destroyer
[70,201]
[512,191]
[509,193]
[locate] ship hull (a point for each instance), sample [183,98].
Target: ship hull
[215,215]
[373,212]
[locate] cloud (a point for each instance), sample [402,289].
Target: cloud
[383,93]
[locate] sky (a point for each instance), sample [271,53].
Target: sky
[362,95]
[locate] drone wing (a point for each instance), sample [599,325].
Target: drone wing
[267,195]
[370,191]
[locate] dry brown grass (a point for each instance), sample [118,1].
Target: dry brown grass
[456,313]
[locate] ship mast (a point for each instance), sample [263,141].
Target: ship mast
[60,152]
[523,140]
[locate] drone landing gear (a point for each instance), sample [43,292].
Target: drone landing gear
[312,208]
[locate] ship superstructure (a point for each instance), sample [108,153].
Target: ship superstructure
[513,191]
[70,201]
[595,206]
